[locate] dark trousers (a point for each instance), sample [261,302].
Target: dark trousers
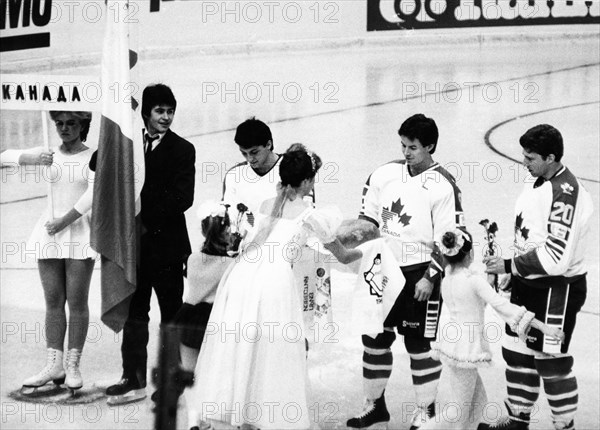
[167,282]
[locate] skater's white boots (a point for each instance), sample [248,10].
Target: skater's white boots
[53,371]
[73,379]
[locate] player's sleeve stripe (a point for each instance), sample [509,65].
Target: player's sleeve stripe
[553,254]
[559,244]
[529,264]
[556,250]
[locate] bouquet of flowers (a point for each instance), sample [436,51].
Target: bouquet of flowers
[222,234]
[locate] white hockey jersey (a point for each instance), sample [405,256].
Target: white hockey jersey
[551,222]
[412,211]
[243,185]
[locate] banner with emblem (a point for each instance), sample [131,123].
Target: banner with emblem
[377,287]
[313,278]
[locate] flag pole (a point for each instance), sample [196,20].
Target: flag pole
[47,148]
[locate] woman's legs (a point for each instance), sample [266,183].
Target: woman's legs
[78,277]
[52,275]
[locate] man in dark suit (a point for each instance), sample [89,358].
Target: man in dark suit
[167,193]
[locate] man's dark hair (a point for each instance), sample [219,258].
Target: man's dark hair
[253,132]
[154,95]
[420,127]
[543,139]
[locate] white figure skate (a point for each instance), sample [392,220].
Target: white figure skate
[53,371]
[73,379]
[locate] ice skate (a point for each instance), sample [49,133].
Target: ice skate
[53,371]
[504,423]
[421,416]
[203,426]
[127,390]
[514,421]
[374,415]
[73,378]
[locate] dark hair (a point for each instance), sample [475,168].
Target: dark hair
[154,95]
[449,241]
[253,132]
[543,139]
[297,165]
[420,127]
[84,118]
[216,230]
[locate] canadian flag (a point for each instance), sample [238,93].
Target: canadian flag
[119,172]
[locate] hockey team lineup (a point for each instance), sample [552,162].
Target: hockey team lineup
[482,97]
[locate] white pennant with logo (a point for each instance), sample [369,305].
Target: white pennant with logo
[378,284]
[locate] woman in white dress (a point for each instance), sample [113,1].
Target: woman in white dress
[61,241]
[461,345]
[252,366]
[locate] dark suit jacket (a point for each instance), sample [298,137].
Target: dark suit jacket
[167,193]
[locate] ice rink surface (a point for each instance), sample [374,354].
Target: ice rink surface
[346,105]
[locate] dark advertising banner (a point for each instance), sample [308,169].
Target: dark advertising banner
[31,19]
[426,14]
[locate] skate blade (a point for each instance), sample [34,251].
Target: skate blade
[28,391]
[247,426]
[130,397]
[73,388]
[57,382]
[377,426]
[74,391]
[42,391]
[203,425]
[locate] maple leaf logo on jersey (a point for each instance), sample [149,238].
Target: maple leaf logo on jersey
[567,188]
[395,212]
[519,229]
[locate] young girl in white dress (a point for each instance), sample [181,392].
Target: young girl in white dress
[461,344]
[252,367]
[61,242]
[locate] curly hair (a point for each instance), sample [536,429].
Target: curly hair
[298,164]
[84,118]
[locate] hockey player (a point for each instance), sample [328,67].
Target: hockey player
[548,278]
[247,185]
[412,202]
[252,181]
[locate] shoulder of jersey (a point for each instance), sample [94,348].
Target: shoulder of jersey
[390,166]
[564,177]
[444,173]
[565,183]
